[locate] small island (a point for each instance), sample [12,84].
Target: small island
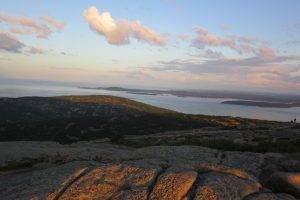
[262,104]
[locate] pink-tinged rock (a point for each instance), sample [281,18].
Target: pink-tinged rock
[173,185]
[218,186]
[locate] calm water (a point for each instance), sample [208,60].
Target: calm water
[192,105]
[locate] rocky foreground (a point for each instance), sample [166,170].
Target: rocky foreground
[100,170]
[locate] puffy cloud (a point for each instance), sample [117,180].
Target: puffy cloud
[10,43]
[119,32]
[57,24]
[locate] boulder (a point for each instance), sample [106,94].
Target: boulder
[113,182]
[173,185]
[216,186]
[225,170]
[248,161]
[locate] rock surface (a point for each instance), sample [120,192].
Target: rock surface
[173,185]
[270,196]
[113,181]
[97,170]
[288,182]
[38,183]
[214,186]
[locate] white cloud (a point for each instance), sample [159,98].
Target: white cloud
[121,31]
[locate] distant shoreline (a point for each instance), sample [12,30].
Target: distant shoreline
[142,93]
[241,98]
[262,104]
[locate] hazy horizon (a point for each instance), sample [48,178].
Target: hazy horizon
[209,45]
[37,82]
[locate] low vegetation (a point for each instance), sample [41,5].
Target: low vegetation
[221,144]
[69,119]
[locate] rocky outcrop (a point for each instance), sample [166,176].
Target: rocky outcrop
[225,170]
[215,186]
[96,170]
[81,180]
[67,183]
[173,185]
[40,183]
[113,181]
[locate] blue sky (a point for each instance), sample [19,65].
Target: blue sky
[208,44]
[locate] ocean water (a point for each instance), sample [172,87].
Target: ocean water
[192,105]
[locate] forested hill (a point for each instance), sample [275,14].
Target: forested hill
[69,119]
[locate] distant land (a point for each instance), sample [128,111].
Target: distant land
[242,98]
[262,104]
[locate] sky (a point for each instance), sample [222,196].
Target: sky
[249,45]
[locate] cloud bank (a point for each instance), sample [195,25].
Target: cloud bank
[121,31]
[278,72]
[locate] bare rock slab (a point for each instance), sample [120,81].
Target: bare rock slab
[173,185]
[113,182]
[217,186]
[39,183]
